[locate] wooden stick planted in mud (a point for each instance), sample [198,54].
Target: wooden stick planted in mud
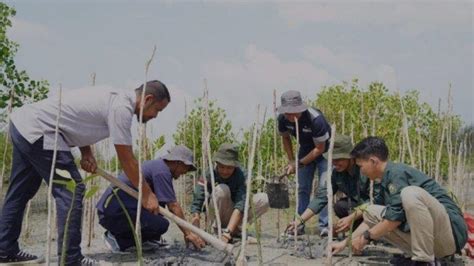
[275,164]
[241,260]
[217,243]
[297,187]
[330,194]
[141,133]
[51,175]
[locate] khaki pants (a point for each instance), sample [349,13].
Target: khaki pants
[430,233]
[226,206]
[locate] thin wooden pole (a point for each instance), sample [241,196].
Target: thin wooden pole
[50,183]
[141,130]
[330,194]
[241,260]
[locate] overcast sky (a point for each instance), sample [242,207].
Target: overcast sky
[245,50]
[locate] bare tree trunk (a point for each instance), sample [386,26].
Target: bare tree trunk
[51,175]
[439,151]
[241,260]
[405,130]
[330,195]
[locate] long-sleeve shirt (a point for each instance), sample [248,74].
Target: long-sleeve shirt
[398,176]
[356,187]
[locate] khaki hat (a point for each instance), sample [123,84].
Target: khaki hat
[342,148]
[227,154]
[291,102]
[181,153]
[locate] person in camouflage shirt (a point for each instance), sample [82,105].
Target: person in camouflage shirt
[230,192]
[416,214]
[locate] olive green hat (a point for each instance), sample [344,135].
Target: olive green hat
[342,148]
[227,154]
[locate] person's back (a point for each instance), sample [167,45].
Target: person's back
[87,116]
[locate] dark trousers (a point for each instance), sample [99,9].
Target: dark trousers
[341,208]
[32,164]
[113,219]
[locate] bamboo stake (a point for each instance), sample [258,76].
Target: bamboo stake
[90,202]
[241,260]
[449,139]
[275,156]
[194,150]
[209,158]
[141,129]
[51,175]
[296,178]
[203,166]
[330,195]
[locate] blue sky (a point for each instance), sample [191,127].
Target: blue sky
[247,49]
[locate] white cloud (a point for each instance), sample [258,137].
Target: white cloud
[23,30]
[347,66]
[409,16]
[244,84]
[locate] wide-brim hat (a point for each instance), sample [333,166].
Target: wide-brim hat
[181,153]
[342,148]
[291,102]
[227,154]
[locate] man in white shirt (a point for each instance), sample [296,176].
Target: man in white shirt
[87,116]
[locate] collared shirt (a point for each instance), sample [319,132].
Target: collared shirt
[356,188]
[158,176]
[237,187]
[313,130]
[398,176]
[87,116]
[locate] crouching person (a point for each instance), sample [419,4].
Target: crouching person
[345,178]
[230,192]
[418,216]
[159,174]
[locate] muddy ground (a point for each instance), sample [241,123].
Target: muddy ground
[307,252]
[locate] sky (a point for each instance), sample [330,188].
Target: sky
[245,50]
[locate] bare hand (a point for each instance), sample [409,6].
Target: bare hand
[291,227]
[150,202]
[88,163]
[358,244]
[337,247]
[226,237]
[290,168]
[194,239]
[344,224]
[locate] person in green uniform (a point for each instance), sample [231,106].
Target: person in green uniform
[416,214]
[230,192]
[347,179]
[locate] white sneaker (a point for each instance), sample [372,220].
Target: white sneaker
[324,232]
[111,243]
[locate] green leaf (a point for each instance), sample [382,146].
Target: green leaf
[91,192]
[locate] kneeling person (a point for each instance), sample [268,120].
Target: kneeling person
[159,174]
[346,178]
[230,193]
[417,215]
